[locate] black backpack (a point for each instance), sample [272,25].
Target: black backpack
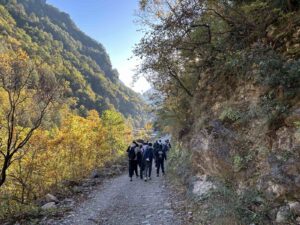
[131,153]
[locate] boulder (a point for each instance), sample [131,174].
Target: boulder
[281,178]
[295,208]
[201,186]
[51,198]
[283,214]
[213,148]
[49,205]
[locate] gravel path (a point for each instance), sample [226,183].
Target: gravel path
[121,202]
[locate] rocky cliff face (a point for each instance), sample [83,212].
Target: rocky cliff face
[244,137]
[250,155]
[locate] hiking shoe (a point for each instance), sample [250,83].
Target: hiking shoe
[130,179]
[149,178]
[157,175]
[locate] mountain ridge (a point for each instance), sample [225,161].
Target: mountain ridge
[83,61]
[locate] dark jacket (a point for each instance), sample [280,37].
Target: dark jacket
[148,154]
[131,153]
[160,154]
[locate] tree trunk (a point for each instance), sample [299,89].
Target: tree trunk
[3,170]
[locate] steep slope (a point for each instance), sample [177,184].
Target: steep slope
[49,35]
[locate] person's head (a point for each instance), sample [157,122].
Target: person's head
[150,144]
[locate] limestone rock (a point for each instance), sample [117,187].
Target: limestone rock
[51,198]
[213,149]
[202,186]
[49,205]
[295,208]
[283,214]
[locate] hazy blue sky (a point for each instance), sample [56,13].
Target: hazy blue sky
[111,22]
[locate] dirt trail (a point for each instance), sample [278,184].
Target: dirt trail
[121,202]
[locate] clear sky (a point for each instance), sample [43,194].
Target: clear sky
[110,22]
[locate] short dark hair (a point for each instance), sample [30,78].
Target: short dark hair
[150,144]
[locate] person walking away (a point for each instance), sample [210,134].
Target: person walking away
[136,159]
[131,159]
[144,147]
[161,156]
[148,158]
[155,149]
[165,147]
[168,144]
[139,157]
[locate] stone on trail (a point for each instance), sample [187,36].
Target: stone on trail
[167,205]
[51,198]
[49,205]
[160,211]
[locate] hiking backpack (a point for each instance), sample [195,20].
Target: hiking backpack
[131,153]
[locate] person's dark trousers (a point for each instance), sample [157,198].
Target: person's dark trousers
[135,168]
[150,168]
[160,164]
[147,169]
[131,168]
[141,170]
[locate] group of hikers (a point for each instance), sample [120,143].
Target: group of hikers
[141,154]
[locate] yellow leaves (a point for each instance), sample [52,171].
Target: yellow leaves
[13,42]
[22,55]
[69,152]
[9,59]
[146,132]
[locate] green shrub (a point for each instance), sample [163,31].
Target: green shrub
[230,114]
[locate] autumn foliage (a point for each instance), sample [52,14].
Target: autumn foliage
[43,142]
[65,153]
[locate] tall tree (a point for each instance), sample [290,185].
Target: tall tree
[27,92]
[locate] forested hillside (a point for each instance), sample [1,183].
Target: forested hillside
[229,74]
[48,35]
